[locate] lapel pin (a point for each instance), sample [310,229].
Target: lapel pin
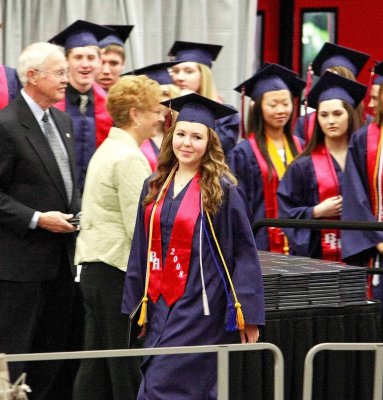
[67,135]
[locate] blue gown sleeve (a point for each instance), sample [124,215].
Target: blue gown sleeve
[297,195]
[136,271]
[299,128]
[233,228]
[356,198]
[246,169]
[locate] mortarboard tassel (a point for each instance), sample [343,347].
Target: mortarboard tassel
[169,118]
[368,95]
[243,130]
[309,81]
[144,312]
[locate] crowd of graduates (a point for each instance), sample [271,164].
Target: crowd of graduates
[326,164]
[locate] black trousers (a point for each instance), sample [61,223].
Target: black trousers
[106,328]
[35,317]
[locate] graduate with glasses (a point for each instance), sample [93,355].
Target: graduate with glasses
[193,275]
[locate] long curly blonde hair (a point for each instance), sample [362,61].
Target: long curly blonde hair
[212,169]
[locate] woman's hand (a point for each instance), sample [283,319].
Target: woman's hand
[250,334]
[331,207]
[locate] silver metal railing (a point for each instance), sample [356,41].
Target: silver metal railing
[221,350]
[378,374]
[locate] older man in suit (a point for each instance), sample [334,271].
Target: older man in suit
[38,198]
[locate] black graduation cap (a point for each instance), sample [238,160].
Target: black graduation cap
[195,108]
[81,33]
[269,78]
[378,70]
[158,72]
[202,53]
[333,55]
[333,86]
[119,37]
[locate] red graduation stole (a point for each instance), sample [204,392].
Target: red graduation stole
[328,186]
[169,280]
[149,153]
[4,94]
[277,239]
[373,154]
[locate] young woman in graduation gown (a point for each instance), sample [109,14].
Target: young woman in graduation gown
[362,192]
[193,73]
[312,185]
[187,294]
[260,161]
[340,60]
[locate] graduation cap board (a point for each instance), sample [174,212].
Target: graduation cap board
[118,38]
[202,53]
[333,86]
[80,34]
[195,108]
[271,77]
[333,55]
[158,72]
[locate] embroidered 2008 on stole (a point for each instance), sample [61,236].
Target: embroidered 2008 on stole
[169,280]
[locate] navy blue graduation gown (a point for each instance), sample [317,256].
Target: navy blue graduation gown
[188,377]
[297,196]
[227,129]
[246,169]
[356,201]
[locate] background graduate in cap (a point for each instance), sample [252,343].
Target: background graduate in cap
[113,55]
[160,73]
[312,185]
[84,99]
[260,161]
[363,198]
[340,60]
[375,86]
[185,293]
[194,74]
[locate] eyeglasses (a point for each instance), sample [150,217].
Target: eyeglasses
[58,74]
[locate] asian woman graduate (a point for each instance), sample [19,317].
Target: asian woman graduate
[312,185]
[194,73]
[363,199]
[260,161]
[193,274]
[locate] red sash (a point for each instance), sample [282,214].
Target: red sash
[103,121]
[372,157]
[149,153]
[328,186]
[270,186]
[170,280]
[4,94]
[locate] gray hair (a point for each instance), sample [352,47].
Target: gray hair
[34,56]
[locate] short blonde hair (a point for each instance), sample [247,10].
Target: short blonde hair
[129,92]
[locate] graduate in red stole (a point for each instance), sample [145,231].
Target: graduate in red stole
[312,185]
[362,193]
[260,161]
[191,212]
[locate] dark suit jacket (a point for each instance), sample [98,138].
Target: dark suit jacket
[30,181]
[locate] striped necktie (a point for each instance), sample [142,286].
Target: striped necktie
[60,154]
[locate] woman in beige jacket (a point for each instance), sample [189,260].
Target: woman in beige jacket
[112,190]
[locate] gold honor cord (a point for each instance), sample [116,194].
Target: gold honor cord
[240,318]
[376,170]
[144,308]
